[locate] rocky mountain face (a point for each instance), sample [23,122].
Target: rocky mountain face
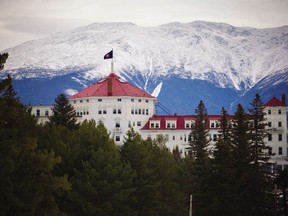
[181,63]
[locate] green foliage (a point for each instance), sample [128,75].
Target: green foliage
[156,189]
[201,171]
[101,183]
[199,135]
[27,184]
[222,181]
[63,113]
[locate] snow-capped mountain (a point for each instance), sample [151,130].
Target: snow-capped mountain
[231,60]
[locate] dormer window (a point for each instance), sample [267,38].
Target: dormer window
[154,124]
[171,124]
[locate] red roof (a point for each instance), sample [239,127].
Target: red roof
[180,121]
[274,102]
[112,85]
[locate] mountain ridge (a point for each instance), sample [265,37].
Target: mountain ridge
[235,58]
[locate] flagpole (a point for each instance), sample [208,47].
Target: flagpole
[112,64]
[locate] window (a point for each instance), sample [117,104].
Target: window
[114,110]
[136,111]
[46,113]
[74,102]
[214,137]
[129,124]
[81,101]
[269,124]
[269,137]
[104,111]
[279,137]
[37,112]
[173,137]
[269,112]
[139,100]
[139,123]
[212,125]
[132,111]
[87,100]
[119,111]
[117,138]
[279,124]
[187,125]
[280,150]
[157,125]
[117,124]
[146,101]
[152,125]
[119,99]
[173,125]
[217,125]
[143,111]
[270,151]
[99,100]
[132,100]
[147,112]
[279,111]
[99,112]
[139,111]
[168,125]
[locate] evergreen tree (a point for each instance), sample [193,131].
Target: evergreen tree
[156,188]
[63,113]
[27,184]
[262,186]
[241,163]
[201,171]
[257,131]
[222,178]
[199,136]
[101,183]
[281,182]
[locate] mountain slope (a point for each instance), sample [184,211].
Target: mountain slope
[228,61]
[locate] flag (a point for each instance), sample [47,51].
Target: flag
[109,55]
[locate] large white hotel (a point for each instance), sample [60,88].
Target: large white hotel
[121,105]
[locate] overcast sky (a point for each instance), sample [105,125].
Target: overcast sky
[23,20]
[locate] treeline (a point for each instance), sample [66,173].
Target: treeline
[65,168]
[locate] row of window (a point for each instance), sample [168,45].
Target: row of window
[280,137]
[81,101]
[38,112]
[270,124]
[280,151]
[136,111]
[100,100]
[270,112]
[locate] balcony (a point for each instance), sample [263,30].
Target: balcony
[275,129]
[118,130]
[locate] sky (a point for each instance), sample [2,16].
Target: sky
[24,20]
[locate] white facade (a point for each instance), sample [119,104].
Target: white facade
[121,112]
[276,118]
[117,113]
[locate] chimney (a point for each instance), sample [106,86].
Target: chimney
[284,99]
[109,86]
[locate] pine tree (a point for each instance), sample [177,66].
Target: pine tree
[281,182]
[257,131]
[27,184]
[101,182]
[201,171]
[63,113]
[222,178]
[199,136]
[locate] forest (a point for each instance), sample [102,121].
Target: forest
[67,168]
